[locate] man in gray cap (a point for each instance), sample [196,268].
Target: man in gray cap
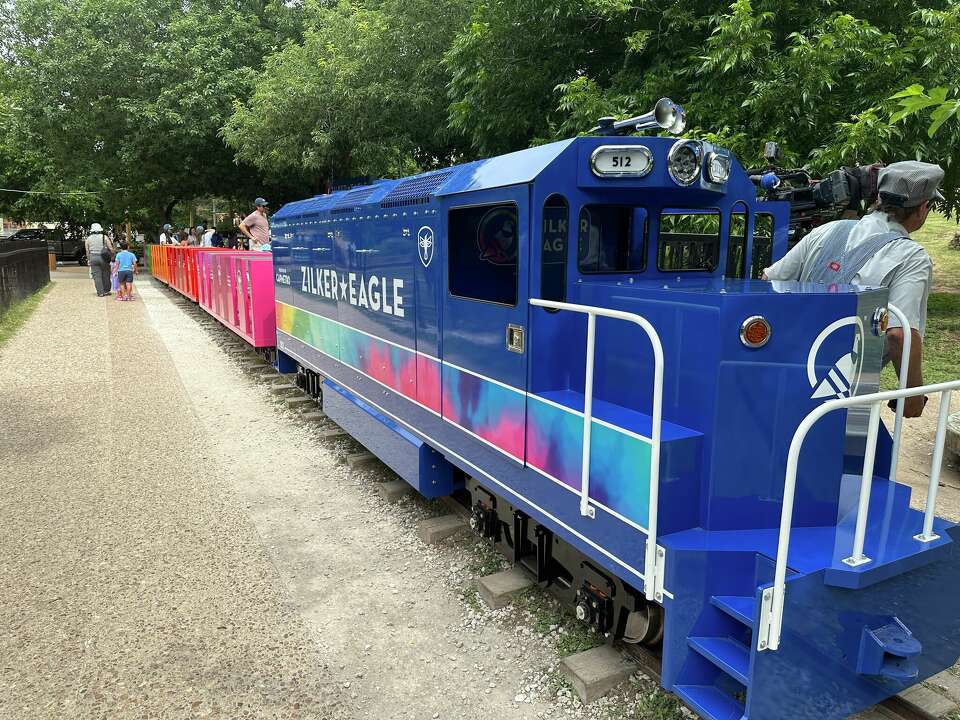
[166,236]
[255,225]
[877,251]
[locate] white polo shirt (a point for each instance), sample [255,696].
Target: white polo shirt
[903,266]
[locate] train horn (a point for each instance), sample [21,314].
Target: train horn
[666,114]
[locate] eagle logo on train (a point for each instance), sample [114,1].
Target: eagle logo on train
[843,377]
[425,244]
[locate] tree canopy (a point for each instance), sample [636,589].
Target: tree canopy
[132,106]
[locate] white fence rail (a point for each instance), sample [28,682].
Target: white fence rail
[651,563]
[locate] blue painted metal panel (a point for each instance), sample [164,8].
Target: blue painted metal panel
[404,453]
[813,675]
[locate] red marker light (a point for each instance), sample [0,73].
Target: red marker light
[755,332]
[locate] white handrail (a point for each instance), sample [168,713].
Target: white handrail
[904,365]
[771,610]
[650,562]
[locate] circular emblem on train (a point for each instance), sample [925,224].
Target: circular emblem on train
[425,244]
[843,377]
[497,236]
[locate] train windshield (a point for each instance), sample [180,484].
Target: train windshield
[611,239]
[689,240]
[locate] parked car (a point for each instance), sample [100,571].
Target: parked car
[66,247]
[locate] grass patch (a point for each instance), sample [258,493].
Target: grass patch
[941,345]
[18,313]
[486,560]
[935,236]
[471,598]
[654,704]
[572,636]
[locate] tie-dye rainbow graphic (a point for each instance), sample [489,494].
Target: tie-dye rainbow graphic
[488,410]
[415,376]
[543,435]
[619,461]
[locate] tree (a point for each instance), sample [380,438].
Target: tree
[126,97]
[816,76]
[362,94]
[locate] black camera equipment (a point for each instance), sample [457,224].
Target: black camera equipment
[847,192]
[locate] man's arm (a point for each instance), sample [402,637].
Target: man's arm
[909,290]
[912,406]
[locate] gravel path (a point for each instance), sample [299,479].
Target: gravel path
[132,581]
[384,607]
[177,545]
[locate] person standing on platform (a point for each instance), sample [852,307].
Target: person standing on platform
[99,257]
[207,238]
[167,236]
[255,226]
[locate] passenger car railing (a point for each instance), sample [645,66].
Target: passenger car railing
[772,602]
[650,563]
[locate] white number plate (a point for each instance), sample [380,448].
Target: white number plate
[621,161]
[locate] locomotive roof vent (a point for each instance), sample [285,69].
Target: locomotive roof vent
[666,114]
[415,190]
[350,201]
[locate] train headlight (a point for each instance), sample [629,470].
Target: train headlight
[684,161]
[718,168]
[755,331]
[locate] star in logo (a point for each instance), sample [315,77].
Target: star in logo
[425,244]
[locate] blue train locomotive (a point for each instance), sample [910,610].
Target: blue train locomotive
[573,340]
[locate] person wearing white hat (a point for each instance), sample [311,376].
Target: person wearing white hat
[99,255]
[877,251]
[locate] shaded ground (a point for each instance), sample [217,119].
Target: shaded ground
[132,584]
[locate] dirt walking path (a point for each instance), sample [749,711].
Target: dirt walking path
[132,581]
[173,544]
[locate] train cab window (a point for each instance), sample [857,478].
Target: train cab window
[483,242]
[762,245]
[612,238]
[689,240]
[553,258]
[737,242]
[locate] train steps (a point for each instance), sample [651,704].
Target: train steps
[715,678]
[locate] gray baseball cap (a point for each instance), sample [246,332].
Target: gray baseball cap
[909,183]
[260,201]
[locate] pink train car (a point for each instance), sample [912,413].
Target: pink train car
[236,287]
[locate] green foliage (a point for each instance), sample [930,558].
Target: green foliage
[914,100]
[17,314]
[125,98]
[362,94]
[815,76]
[123,108]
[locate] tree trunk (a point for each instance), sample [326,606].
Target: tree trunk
[168,211]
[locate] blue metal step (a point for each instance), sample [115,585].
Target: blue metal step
[739,607]
[710,702]
[727,654]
